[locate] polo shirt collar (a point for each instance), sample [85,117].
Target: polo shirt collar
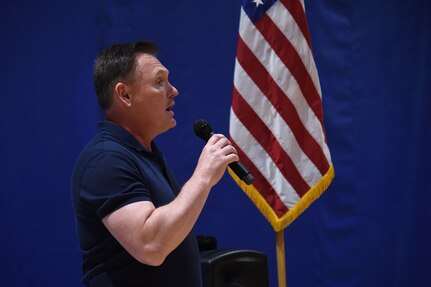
[124,136]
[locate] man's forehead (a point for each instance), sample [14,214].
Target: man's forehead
[149,63]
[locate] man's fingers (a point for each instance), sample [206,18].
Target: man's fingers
[215,138]
[220,144]
[220,141]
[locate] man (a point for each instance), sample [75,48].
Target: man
[134,223]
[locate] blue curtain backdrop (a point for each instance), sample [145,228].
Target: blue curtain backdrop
[370,228]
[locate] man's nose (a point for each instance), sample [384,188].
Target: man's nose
[173,91]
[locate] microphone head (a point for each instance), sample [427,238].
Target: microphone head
[203,129]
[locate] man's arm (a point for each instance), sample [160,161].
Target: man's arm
[150,234]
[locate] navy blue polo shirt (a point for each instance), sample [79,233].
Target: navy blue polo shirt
[112,171]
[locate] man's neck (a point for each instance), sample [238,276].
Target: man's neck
[142,137]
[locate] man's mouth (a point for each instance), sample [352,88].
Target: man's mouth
[170,108]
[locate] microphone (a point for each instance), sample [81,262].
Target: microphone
[203,130]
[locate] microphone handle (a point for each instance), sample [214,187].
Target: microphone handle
[242,172]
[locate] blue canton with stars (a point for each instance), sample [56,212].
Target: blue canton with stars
[255,9]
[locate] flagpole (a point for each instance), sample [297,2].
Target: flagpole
[281,260]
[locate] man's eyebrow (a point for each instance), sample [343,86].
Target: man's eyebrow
[162,71]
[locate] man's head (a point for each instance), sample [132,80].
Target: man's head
[133,89]
[117,64]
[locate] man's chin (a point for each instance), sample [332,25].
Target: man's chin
[173,123]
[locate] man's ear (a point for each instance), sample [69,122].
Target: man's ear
[121,91]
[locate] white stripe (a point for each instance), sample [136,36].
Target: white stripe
[281,130]
[303,5]
[287,24]
[282,76]
[262,161]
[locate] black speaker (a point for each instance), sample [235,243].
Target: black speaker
[234,268]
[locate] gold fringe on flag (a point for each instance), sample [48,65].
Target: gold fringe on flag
[281,223]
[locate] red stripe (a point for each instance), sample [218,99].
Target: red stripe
[262,185]
[290,57]
[297,11]
[282,103]
[267,140]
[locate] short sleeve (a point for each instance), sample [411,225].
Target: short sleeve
[112,180]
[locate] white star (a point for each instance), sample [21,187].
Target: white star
[258,2]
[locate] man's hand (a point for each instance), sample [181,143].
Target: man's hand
[214,159]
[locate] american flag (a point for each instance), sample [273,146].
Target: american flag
[276,118]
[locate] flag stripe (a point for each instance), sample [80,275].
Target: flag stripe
[253,152]
[265,189]
[267,140]
[273,120]
[296,9]
[282,17]
[287,53]
[282,103]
